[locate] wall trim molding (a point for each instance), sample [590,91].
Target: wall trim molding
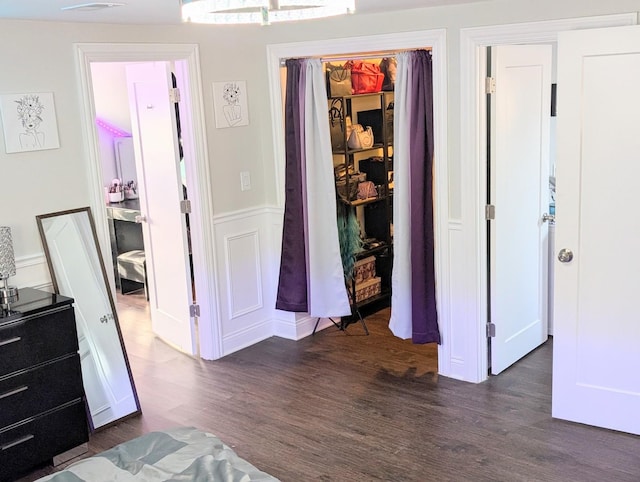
[32,270]
[299,326]
[251,335]
[30,260]
[255,234]
[246,213]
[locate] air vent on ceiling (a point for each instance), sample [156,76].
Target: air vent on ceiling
[84,7]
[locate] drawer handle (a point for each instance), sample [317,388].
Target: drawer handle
[14,392]
[10,340]
[20,441]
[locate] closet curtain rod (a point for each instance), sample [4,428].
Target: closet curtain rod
[344,58]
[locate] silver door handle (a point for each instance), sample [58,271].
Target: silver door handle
[565,255]
[548,217]
[141,219]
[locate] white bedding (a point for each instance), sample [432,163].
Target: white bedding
[181,454]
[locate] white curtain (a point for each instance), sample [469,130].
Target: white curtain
[401,315]
[327,289]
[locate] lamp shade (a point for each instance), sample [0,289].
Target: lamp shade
[7,257]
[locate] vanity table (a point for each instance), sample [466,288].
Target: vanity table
[42,409]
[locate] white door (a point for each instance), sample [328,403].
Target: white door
[153,122]
[596,353]
[519,190]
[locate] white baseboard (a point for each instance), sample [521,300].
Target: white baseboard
[247,337]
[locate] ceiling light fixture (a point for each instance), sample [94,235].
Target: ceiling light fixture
[93,6]
[262,11]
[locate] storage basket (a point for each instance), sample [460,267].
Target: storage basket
[364,269]
[368,289]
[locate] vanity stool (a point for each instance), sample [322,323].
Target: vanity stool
[132,271]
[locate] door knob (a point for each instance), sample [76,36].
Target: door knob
[141,219]
[565,255]
[548,217]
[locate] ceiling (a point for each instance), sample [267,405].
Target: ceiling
[159,11]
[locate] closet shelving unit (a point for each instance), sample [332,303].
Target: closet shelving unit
[374,213]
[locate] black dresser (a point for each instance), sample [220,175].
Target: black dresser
[42,409]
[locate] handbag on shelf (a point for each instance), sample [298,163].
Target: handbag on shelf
[367,190]
[388,67]
[366,77]
[352,193]
[360,137]
[337,125]
[338,80]
[388,118]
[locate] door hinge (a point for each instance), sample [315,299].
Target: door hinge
[194,310]
[490,85]
[489,212]
[174,95]
[491,330]
[185,206]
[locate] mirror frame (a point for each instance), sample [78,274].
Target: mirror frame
[54,281]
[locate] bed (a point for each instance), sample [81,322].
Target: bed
[180,454]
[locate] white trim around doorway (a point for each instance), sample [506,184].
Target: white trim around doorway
[445,229]
[197,169]
[474,160]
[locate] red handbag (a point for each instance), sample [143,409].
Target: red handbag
[366,77]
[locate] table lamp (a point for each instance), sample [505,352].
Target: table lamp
[8,294]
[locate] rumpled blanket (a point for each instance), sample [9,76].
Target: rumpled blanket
[180,454]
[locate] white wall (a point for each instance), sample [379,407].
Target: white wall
[41,57]
[111,96]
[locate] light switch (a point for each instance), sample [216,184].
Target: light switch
[245,181]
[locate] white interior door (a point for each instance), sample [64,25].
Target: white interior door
[155,139]
[519,180]
[596,355]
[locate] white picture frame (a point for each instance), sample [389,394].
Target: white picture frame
[29,122]
[230,104]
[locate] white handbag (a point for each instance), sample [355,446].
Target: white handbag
[360,137]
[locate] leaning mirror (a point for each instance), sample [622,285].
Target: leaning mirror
[77,271]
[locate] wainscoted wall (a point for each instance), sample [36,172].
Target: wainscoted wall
[245,252]
[454,364]
[248,252]
[33,272]
[247,245]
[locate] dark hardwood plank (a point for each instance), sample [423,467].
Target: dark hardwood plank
[341,406]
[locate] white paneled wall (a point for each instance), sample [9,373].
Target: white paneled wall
[243,273]
[244,250]
[456,366]
[32,271]
[248,247]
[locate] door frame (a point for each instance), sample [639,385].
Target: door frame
[436,40]
[473,158]
[196,165]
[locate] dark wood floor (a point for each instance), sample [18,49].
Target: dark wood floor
[349,407]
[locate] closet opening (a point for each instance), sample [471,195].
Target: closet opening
[447,229]
[350,168]
[360,93]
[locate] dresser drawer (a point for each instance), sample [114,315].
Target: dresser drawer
[37,339]
[37,441]
[34,391]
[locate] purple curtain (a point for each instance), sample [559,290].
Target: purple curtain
[292,284]
[423,286]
